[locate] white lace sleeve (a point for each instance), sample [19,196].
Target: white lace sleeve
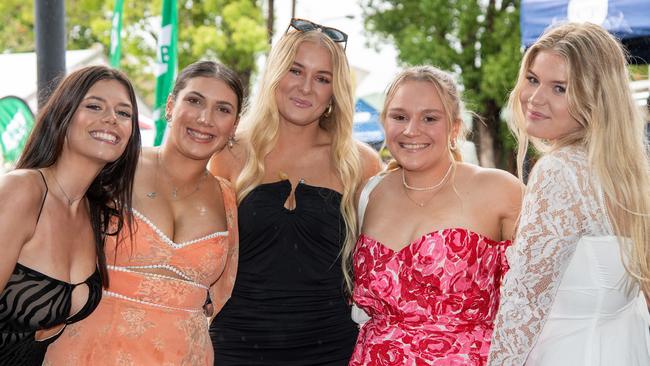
[560,206]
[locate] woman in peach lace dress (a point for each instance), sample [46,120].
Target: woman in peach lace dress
[184,248]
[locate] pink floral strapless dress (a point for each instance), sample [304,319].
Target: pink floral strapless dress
[431,303]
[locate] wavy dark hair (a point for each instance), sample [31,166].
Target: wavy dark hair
[109,195]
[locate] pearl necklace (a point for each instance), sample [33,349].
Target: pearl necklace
[431,188]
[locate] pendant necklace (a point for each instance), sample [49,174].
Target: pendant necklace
[434,188]
[175,195]
[70,200]
[419,204]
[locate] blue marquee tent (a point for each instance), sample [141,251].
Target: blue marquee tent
[629,20]
[367,127]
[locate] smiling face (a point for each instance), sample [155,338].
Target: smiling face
[203,117]
[416,124]
[102,124]
[305,91]
[544,100]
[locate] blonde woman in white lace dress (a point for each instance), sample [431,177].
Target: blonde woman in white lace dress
[580,263]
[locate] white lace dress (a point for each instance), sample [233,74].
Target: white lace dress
[567,299]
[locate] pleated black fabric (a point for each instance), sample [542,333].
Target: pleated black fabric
[288,305]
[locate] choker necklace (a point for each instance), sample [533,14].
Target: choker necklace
[431,188]
[174,190]
[70,200]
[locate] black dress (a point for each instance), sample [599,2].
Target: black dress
[288,305]
[33,301]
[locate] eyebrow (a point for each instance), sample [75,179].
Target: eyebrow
[326,72]
[552,81]
[221,102]
[123,104]
[398,109]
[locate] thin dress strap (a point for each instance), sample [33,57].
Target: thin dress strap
[44,196]
[365,195]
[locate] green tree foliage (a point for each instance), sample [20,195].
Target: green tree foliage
[231,31]
[478,40]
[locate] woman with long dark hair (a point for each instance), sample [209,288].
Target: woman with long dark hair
[184,249]
[73,179]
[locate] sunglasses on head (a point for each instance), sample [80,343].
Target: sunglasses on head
[334,34]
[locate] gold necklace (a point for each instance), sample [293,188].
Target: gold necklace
[419,204]
[174,190]
[70,200]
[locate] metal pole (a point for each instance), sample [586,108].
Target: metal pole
[293,9]
[49,16]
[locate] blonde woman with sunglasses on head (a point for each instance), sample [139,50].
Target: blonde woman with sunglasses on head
[580,265]
[297,170]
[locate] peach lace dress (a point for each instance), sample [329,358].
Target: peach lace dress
[150,319]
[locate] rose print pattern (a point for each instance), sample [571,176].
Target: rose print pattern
[431,303]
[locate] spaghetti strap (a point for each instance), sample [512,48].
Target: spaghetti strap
[44,196]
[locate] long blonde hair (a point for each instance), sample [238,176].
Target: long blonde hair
[449,94]
[600,100]
[261,123]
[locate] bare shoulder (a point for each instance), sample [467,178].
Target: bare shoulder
[23,189]
[370,161]
[148,158]
[499,177]
[495,184]
[229,162]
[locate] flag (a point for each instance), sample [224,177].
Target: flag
[16,122]
[166,64]
[116,34]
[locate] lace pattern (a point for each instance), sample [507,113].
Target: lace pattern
[563,203]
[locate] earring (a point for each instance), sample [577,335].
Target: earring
[453,144]
[328,111]
[231,142]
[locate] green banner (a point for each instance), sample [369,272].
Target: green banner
[116,35]
[166,65]
[16,122]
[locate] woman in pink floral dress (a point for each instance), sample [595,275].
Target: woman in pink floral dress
[429,261]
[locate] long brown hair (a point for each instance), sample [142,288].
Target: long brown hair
[109,195]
